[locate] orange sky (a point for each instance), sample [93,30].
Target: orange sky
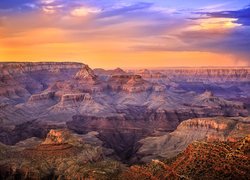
[83,35]
[109,60]
[39,45]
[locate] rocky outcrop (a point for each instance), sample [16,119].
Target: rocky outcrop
[74,98]
[209,129]
[55,137]
[40,98]
[82,103]
[62,155]
[25,130]
[86,74]
[200,160]
[129,83]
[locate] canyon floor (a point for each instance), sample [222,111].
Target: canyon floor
[68,121]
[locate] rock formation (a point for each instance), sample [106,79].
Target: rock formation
[193,74]
[40,98]
[102,72]
[200,160]
[61,155]
[85,74]
[119,105]
[209,129]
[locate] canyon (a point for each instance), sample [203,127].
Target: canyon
[114,117]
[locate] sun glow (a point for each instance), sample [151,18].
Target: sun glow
[216,24]
[84,11]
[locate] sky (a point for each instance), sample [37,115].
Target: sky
[127,34]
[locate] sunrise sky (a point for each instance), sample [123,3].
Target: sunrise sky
[128,34]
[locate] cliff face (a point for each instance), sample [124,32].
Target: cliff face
[20,68]
[85,73]
[209,129]
[225,74]
[129,83]
[40,98]
[74,98]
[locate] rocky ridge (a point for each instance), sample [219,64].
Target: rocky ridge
[20,68]
[225,74]
[200,160]
[207,129]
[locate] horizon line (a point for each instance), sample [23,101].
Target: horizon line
[130,68]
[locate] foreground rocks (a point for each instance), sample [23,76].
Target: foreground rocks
[200,160]
[65,155]
[62,155]
[208,129]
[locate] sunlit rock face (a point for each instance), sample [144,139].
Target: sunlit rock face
[57,137]
[129,83]
[85,74]
[74,98]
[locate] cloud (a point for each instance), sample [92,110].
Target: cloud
[242,15]
[222,32]
[235,42]
[134,27]
[84,11]
[123,10]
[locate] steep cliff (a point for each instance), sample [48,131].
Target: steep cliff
[209,129]
[194,74]
[21,68]
[85,73]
